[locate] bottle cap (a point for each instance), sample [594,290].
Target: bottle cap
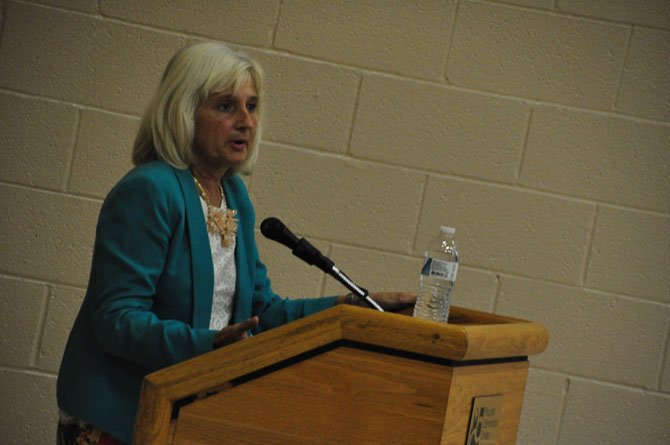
[448,230]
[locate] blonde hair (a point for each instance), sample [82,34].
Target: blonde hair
[194,73]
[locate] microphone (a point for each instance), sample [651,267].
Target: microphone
[272,228]
[275,230]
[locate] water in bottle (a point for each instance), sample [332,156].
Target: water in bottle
[438,276]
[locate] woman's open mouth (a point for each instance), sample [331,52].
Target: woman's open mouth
[238,144]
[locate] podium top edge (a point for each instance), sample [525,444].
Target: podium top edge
[469,335]
[474,335]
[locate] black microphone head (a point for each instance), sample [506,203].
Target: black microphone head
[275,230]
[272,228]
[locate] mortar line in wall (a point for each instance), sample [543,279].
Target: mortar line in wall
[622,71]
[323,278]
[69,166]
[340,244]
[564,14]
[24,370]
[395,76]
[357,100]
[422,200]
[79,106]
[524,147]
[3,23]
[562,406]
[459,88]
[437,174]
[628,208]
[354,114]
[55,8]
[39,335]
[589,248]
[334,243]
[374,162]
[40,282]
[664,355]
[188,35]
[49,191]
[468,179]
[403,77]
[45,282]
[185,35]
[602,382]
[280,4]
[98,15]
[380,72]
[28,371]
[500,274]
[450,40]
[578,287]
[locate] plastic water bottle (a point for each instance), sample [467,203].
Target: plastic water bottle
[438,276]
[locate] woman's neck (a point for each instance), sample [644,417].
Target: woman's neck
[211,184]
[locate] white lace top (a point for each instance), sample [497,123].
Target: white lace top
[223,259]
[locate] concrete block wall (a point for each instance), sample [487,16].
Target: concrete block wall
[540,129]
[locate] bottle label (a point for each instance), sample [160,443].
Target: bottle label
[440,269]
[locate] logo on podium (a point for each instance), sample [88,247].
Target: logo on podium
[484,420]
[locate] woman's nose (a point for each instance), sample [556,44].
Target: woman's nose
[244,118]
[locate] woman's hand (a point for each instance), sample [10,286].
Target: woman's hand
[402,302]
[233,333]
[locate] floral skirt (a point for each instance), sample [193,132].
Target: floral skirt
[73,431]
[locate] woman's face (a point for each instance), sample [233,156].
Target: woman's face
[225,125]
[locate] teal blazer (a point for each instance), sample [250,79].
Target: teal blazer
[149,296]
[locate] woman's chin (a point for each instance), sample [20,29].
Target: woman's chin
[234,159]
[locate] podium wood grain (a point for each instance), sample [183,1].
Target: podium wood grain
[341,396]
[345,375]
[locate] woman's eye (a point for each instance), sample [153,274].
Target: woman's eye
[252,107]
[225,107]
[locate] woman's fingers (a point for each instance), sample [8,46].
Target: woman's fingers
[247,325]
[234,333]
[394,301]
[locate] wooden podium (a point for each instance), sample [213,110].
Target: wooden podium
[350,375]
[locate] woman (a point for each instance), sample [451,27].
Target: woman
[175,270]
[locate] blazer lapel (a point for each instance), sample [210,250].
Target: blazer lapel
[202,269]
